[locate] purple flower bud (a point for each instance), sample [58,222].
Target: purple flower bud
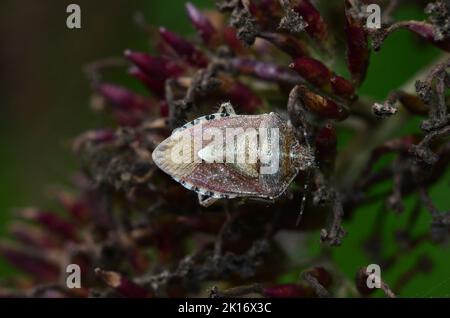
[202,24]
[78,208]
[159,68]
[155,86]
[40,268]
[123,98]
[31,236]
[266,71]
[52,222]
[184,48]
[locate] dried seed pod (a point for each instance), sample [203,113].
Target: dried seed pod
[425,30]
[357,45]
[384,110]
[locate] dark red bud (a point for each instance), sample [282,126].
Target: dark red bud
[39,267]
[122,285]
[184,48]
[413,103]
[321,105]
[316,28]
[322,276]
[77,208]
[287,43]
[326,140]
[312,70]
[285,291]
[342,87]
[139,260]
[230,38]
[201,22]
[357,46]
[52,222]
[164,109]
[361,283]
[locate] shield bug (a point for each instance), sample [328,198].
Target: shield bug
[225,156]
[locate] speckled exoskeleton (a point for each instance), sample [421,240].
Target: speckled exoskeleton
[209,170]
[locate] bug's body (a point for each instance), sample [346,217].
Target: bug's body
[213,178]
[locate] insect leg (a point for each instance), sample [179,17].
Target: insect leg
[227,108]
[206,201]
[299,121]
[303,203]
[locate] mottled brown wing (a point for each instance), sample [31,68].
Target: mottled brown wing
[228,180]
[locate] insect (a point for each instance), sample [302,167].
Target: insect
[225,155]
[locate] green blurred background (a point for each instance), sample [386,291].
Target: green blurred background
[44,103]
